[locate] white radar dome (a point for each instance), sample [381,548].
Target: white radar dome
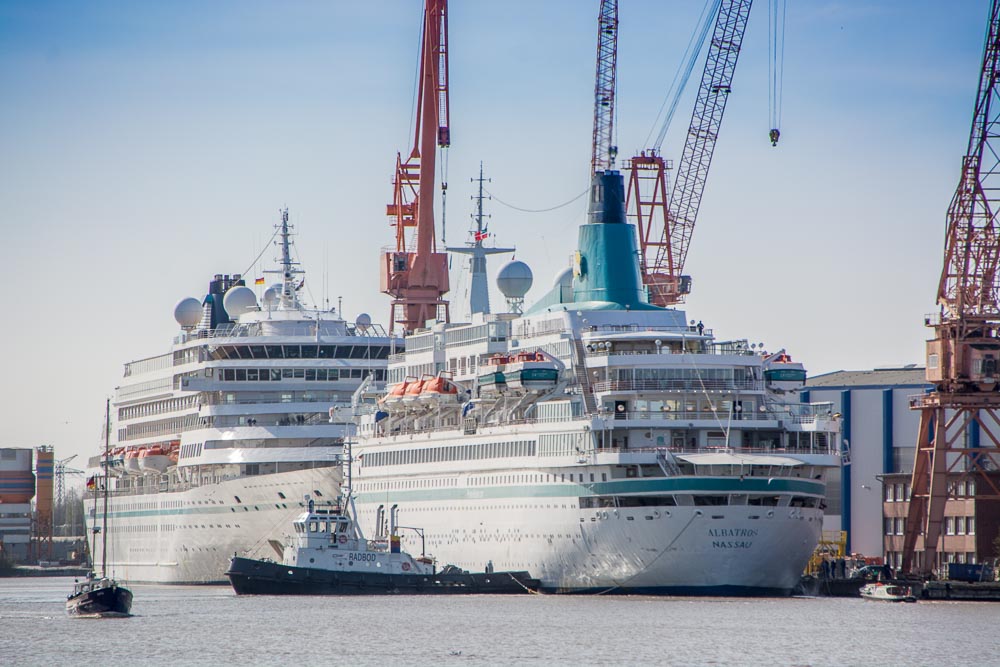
[363,321]
[239,300]
[271,296]
[187,312]
[514,279]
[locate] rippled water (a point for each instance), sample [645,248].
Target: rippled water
[212,626]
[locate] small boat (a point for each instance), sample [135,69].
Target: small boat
[396,392]
[878,590]
[100,597]
[412,394]
[495,381]
[329,555]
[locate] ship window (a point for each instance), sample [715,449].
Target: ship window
[299,373]
[281,495]
[258,352]
[252,374]
[309,352]
[313,526]
[228,374]
[241,374]
[275,352]
[310,374]
[292,352]
[275,374]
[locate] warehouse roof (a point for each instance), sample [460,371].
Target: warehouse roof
[911,375]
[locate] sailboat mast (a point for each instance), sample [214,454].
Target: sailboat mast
[104,529]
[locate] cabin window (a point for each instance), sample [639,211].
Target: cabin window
[313,526]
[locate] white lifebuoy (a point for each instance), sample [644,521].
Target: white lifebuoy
[406,566]
[343,539]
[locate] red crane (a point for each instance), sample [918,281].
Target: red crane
[415,274]
[666,220]
[959,432]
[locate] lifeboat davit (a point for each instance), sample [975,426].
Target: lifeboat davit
[131,459]
[154,458]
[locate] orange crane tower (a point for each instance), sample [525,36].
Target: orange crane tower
[666,221]
[415,274]
[959,434]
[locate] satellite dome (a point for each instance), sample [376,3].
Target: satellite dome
[363,321]
[187,312]
[239,300]
[271,295]
[514,279]
[564,278]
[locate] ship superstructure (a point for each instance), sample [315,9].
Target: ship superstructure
[216,443]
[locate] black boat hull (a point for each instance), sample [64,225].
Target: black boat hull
[106,601]
[256,577]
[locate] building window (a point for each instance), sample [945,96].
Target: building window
[970,525]
[960,525]
[899,492]
[888,493]
[888,525]
[949,526]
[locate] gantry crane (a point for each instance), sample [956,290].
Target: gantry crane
[665,220]
[959,432]
[415,274]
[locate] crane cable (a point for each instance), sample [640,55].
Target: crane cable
[535,210]
[777,15]
[683,73]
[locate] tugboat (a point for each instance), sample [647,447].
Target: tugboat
[101,597]
[329,555]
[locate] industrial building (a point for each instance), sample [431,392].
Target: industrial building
[17,488]
[880,434]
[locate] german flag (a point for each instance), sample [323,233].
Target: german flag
[259,281]
[91,483]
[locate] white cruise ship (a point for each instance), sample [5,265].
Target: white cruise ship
[598,442]
[217,444]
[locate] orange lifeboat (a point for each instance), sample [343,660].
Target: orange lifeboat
[438,388]
[397,391]
[413,390]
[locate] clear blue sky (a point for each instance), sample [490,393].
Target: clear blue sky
[145,147]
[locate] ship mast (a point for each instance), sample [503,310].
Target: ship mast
[289,298]
[479,292]
[107,461]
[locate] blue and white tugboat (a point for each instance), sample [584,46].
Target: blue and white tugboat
[329,555]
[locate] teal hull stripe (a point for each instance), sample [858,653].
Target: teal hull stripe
[624,487]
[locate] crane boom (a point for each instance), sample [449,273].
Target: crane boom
[603,151]
[963,358]
[414,274]
[666,221]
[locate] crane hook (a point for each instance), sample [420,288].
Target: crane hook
[773,136]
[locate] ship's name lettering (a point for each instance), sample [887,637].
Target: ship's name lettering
[732,532]
[361,557]
[731,544]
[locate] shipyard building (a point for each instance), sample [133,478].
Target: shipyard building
[880,432]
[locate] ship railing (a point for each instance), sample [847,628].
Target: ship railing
[690,415]
[721,449]
[678,385]
[665,350]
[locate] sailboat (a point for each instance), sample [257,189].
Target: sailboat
[100,596]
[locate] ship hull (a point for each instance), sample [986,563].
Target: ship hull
[729,550]
[255,577]
[188,537]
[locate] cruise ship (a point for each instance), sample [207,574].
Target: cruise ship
[599,442]
[218,444]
